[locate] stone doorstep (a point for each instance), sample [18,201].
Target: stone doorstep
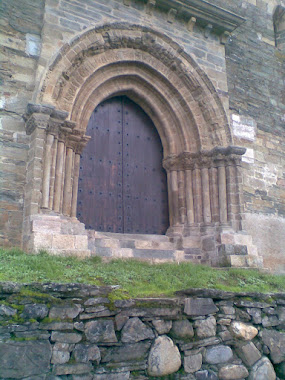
[248,261]
[112,235]
[138,244]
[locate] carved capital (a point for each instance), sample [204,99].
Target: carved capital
[36,120]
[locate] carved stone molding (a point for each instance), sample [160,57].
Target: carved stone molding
[202,159]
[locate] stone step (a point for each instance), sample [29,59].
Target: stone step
[159,255]
[238,261]
[236,238]
[112,235]
[139,244]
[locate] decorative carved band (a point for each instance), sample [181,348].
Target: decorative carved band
[215,157]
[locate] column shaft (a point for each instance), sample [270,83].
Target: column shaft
[206,196]
[75,185]
[47,170]
[58,176]
[181,197]
[197,187]
[222,194]
[173,196]
[189,197]
[67,191]
[214,194]
[52,173]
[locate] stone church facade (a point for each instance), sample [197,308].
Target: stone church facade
[209,76]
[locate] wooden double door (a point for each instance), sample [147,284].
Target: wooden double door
[122,184]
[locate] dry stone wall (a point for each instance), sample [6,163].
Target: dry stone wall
[74,331]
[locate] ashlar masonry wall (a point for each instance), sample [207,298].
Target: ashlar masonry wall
[74,331]
[249,79]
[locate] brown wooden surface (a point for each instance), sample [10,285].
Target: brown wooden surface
[122,185]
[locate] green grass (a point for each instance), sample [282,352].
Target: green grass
[137,279]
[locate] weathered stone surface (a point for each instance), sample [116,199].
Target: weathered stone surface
[112,376]
[255,314]
[7,310]
[182,329]
[218,354]
[65,337]
[199,306]
[271,320]
[100,331]
[58,346]
[192,363]
[120,321]
[72,369]
[262,370]
[248,353]
[87,352]
[164,357]
[67,312]
[162,326]
[56,326]
[242,331]
[126,352]
[60,357]
[206,328]
[35,311]
[135,330]
[275,341]
[206,375]
[233,372]
[200,343]
[96,301]
[23,359]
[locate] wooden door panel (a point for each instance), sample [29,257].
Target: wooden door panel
[100,199]
[144,179]
[122,185]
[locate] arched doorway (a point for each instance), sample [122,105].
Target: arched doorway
[122,184]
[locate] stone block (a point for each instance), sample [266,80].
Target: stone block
[192,363]
[66,242]
[248,353]
[205,328]
[262,370]
[135,330]
[63,337]
[218,354]
[81,242]
[243,331]
[100,331]
[42,241]
[199,306]
[133,352]
[182,329]
[162,326]
[46,226]
[233,372]
[65,312]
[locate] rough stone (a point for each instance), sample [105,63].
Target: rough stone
[248,353]
[192,363]
[65,337]
[182,329]
[162,326]
[72,369]
[87,352]
[23,359]
[218,354]
[7,311]
[164,357]
[100,331]
[135,330]
[262,370]
[112,376]
[199,306]
[66,312]
[126,352]
[242,331]
[120,321]
[275,341]
[35,311]
[255,314]
[60,357]
[206,375]
[206,328]
[233,372]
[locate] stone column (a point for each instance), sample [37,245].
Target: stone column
[75,184]
[52,173]
[67,190]
[173,194]
[222,193]
[213,172]
[58,175]
[189,197]
[232,192]
[206,196]
[181,197]
[197,189]
[47,170]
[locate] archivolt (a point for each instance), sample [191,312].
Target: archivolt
[152,70]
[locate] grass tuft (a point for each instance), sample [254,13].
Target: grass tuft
[136,278]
